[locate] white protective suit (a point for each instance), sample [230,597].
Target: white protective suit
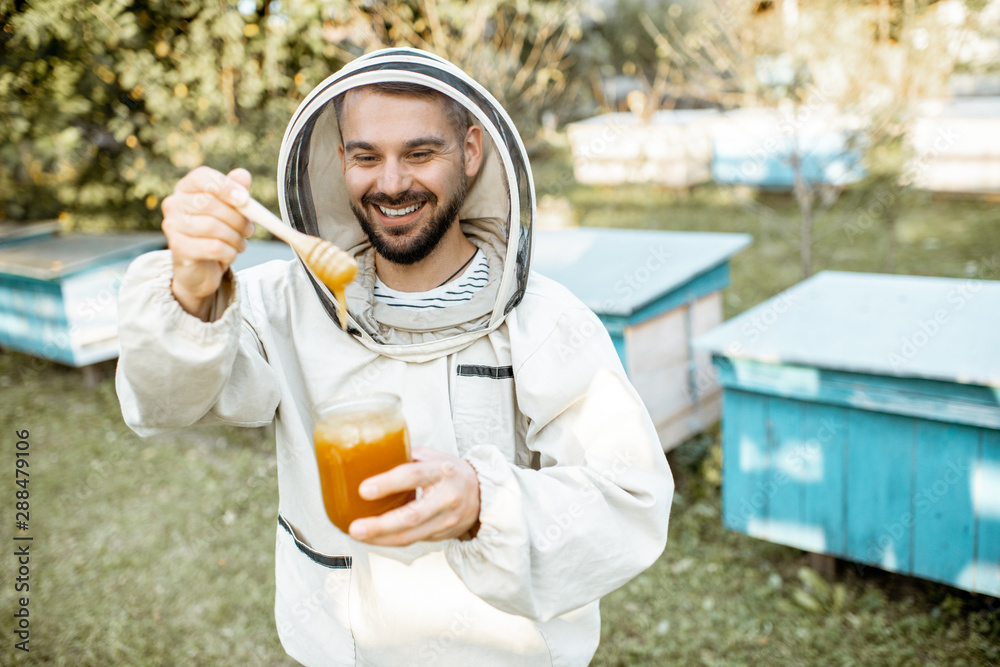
[522,381]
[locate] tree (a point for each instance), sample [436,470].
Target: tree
[521,52]
[870,60]
[105,104]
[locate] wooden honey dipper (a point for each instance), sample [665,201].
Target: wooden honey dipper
[330,264]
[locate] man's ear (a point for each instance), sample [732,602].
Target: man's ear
[343,163]
[473,147]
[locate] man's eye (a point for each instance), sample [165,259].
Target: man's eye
[365,158]
[420,155]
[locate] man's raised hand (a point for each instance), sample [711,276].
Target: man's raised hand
[205,233]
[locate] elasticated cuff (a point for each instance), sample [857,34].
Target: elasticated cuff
[158,270]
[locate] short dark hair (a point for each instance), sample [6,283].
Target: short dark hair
[457,115]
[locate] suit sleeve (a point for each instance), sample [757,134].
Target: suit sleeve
[175,370]
[595,513]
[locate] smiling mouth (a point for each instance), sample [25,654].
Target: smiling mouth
[399,212]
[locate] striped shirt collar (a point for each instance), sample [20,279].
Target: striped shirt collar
[458,290]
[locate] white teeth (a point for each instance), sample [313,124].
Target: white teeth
[396,212]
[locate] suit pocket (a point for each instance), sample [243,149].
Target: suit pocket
[311,601]
[483,408]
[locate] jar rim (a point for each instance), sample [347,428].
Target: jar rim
[382,400]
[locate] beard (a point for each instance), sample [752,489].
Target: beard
[391,242]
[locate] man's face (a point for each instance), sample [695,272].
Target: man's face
[405,170]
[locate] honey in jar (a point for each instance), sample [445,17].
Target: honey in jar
[357,438]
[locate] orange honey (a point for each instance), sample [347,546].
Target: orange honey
[356,439]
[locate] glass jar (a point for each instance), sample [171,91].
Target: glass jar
[356,438]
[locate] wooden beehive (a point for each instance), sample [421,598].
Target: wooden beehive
[59,293]
[861,419]
[654,291]
[957,146]
[259,252]
[671,149]
[15,233]
[755,147]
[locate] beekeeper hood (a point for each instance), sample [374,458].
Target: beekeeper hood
[496,216]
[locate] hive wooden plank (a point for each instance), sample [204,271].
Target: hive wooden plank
[661,340]
[660,362]
[693,418]
[943,520]
[785,521]
[744,459]
[983,574]
[928,399]
[822,474]
[879,489]
[663,389]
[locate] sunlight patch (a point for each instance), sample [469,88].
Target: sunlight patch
[802,536]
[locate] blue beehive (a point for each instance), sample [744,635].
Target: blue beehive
[671,148]
[58,294]
[654,291]
[259,252]
[16,233]
[755,147]
[861,419]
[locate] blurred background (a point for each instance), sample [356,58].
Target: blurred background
[854,135]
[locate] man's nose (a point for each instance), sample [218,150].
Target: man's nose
[394,178]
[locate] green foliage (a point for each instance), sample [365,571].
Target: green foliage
[620,43]
[521,52]
[817,595]
[144,552]
[711,466]
[105,104]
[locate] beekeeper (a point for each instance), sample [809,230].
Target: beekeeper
[543,485]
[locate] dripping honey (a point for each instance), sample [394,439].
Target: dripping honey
[338,293]
[336,269]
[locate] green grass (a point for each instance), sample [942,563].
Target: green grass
[160,552]
[144,552]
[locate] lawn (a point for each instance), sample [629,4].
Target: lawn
[160,552]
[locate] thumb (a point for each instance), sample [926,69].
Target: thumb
[241,176]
